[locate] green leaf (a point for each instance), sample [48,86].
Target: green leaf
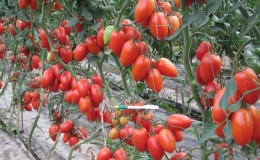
[73,21]
[29,44]
[252,61]
[87,14]
[230,91]
[212,6]
[209,129]
[227,131]
[235,6]
[250,23]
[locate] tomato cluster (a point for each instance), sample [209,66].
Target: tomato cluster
[32,100]
[158,16]
[23,4]
[107,154]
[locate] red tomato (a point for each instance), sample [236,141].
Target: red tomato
[66,137]
[104,154]
[23,3]
[97,79]
[167,140]
[203,48]
[73,140]
[57,69]
[144,10]
[66,78]
[57,6]
[210,66]
[158,25]
[2,28]
[127,131]
[255,114]
[218,113]
[96,93]
[75,97]
[43,37]
[117,41]
[92,45]
[156,129]
[154,147]
[178,122]
[198,76]
[35,61]
[129,53]
[33,5]
[47,78]
[242,126]
[142,46]
[210,88]
[100,39]
[60,33]
[140,68]
[83,87]
[28,107]
[53,130]
[245,81]
[66,55]
[166,7]
[126,22]
[140,138]
[178,136]
[154,80]
[219,130]
[174,24]
[12,30]
[67,96]
[121,154]
[144,120]
[35,104]
[166,67]
[67,28]
[85,104]
[131,33]
[1,84]
[223,145]
[92,114]
[66,126]
[79,27]
[178,156]
[26,97]
[83,133]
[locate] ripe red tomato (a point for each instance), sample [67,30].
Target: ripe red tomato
[144,120]
[85,104]
[66,78]
[35,104]
[100,39]
[126,22]
[23,3]
[127,132]
[121,154]
[167,140]
[57,6]
[75,96]
[66,55]
[156,129]
[154,80]
[245,81]
[67,28]
[33,5]
[203,48]
[117,41]
[158,25]
[26,97]
[83,87]
[2,28]
[92,114]
[96,93]
[53,130]
[165,7]
[144,10]
[242,126]
[198,76]
[166,67]
[223,145]
[12,30]
[178,156]
[140,138]
[60,33]
[132,33]
[174,24]
[57,69]
[142,46]
[66,137]
[219,130]
[83,133]
[210,88]
[67,96]
[35,61]
[178,135]
[66,126]
[178,122]
[255,114]
[140,68]
[73,140]
[92,45]
[104,154]
[47,78]
[154,147]
[129,53]
[97,79]
[44,41]
[210,66]
[218,113]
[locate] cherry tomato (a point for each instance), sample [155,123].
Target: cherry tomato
[66,126]
[114,133]
[140,68]
[100,39]
[242,126]
[154,147]
[219,130]
[166,67]
[167,140]
[85,104]
[73,140]
[33,5]
[158,25]
[178,156]
[117,41]
[121,154]
[223,145]
[35,61]
[60,33]
[144,120]
[140,138]
[144,10]
[203,48]
[96,93]
[53,130]
[23,3]
[66,78]
[210,88]
[12,30]
[166,7]
[154,80]
[96,79]
[178,122]
[83,87]
[133,34]
[174,24]
[156,129]
[255,114]
[129,53]
[47,78]
[104,154]
[66,137]
[92,114]
[67,28]
[218,113]
[75,96]
[127,132]
[66,55]
[178,136]
[83,133]
[92,45]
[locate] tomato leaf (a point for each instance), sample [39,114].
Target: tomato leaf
[73,21]
[86,14]
[235,6]
[230,91]
[251,21]
[212,6]
[227,131]
[209,129]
